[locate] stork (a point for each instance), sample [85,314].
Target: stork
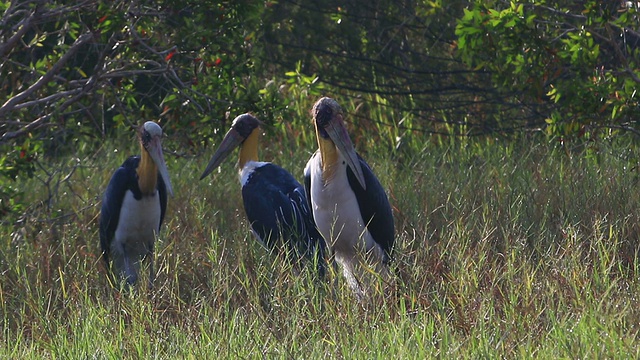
[349,206]
[134,206]
[274,202]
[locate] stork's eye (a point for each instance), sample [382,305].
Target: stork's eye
[323,117]
[146,137]
[245,124]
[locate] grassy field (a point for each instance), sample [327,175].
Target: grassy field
[504,249]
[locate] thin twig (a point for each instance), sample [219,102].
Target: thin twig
[42,119]
[48,99]
[23,26]
[44,79]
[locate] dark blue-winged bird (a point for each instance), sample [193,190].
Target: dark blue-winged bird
[275,203]
[134,206]
[350,207]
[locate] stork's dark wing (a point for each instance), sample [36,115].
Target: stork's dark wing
[120,182]
[307,182]
[374,207]
[162,191]
[315,246]
[277,208]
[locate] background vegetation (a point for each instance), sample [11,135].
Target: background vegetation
[505,132]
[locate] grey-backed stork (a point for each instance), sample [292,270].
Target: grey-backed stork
[275,203]
[134,206]
[350,207]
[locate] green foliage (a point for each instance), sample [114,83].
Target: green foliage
[578,60]
[112,65]
[16,163]
[485,35]
[394,56]
[193,65]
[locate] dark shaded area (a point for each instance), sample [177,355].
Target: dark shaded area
[404,52]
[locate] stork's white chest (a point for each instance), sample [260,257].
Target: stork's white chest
[336,210]
[138,223]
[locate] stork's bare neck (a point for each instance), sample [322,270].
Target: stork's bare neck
[147,173]
[330,157]
[249,149]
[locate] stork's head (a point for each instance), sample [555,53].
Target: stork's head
[328,119]
[244,132]
[150,135]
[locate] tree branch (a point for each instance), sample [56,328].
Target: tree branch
[48,99]
[23,26]
[55,69]
[77,94]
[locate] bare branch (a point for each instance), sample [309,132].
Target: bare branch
[633,75]
[30,126]
[619,54]
[624,127]
[160,54]
[11,103]
[48,99]
[23,26]
[42,120]
[9,13]
[181,86]
[130,73]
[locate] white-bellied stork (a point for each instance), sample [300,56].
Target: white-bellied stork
[275,203]
[350,207]
[134,206]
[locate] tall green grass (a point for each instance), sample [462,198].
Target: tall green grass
[504,249]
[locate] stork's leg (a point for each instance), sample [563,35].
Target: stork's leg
[319,260]
[130,271]
[152,273]
[376,256]
[121,265]
[348,262]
